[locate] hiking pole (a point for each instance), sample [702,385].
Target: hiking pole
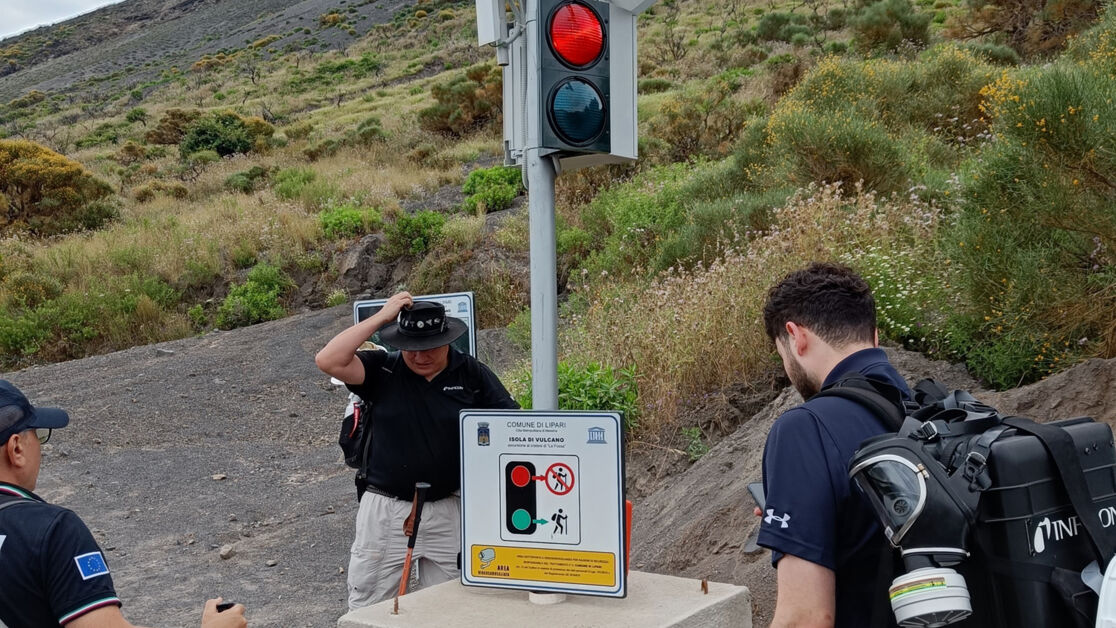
[410,528]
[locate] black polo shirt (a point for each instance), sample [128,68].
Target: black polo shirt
[416,424]
[51,569]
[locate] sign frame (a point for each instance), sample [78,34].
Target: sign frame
[579,449]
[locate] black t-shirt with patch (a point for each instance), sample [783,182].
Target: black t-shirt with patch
[51,569]
[415,423]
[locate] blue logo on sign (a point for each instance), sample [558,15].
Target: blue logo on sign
[597,436]
[91,565]
[483,436]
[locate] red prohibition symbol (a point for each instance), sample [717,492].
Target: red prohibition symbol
[559,478]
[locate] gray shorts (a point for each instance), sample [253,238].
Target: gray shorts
[380,547]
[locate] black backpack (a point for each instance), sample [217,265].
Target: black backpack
[1026,480]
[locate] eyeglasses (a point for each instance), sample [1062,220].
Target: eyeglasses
[43,434]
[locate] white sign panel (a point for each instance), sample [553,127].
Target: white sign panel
[542,501]
[457,304]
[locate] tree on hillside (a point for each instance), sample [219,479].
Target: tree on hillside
[1031,26]
[46,192]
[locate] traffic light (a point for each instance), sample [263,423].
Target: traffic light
[586,79]
[520,516]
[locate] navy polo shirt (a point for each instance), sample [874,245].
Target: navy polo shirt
[51,569]
[416,424]
[814,510]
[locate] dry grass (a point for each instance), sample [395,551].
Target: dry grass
[691,331]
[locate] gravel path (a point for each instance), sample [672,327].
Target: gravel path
[179,449]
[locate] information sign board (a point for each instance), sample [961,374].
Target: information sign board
[457,304]
[542,501]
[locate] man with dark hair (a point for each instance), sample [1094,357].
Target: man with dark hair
[824,538]
[415,395]
[52,573]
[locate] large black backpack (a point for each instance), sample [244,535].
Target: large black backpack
[1044,496]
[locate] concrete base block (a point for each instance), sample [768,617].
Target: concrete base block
[654,601]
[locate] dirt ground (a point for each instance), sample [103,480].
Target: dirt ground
[179,449]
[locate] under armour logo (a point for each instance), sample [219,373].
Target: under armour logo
[771,517]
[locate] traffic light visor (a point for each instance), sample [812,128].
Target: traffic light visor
[576,34]
[577,111]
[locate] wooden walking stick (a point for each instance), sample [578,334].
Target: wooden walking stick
[411,528]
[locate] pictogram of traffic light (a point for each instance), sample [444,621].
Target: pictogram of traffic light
[519,497]
[574,76]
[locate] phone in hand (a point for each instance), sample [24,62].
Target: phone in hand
[756,491]
[224,606]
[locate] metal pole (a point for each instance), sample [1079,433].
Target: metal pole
[544,283]
[544,267]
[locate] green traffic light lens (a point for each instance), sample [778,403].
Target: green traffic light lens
[577,111]
[521,519]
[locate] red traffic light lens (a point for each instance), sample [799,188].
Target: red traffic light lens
[576,34]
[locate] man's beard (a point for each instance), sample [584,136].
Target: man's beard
[800,379]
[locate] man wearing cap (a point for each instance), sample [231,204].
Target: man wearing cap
[415,396]
[52,573]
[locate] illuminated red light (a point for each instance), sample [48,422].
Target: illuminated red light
[576,34]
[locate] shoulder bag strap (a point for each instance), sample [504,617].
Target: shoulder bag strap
[866,392]
[1059,444]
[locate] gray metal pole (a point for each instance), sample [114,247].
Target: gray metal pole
[544,267]
[544,282]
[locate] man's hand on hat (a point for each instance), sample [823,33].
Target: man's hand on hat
[397,302]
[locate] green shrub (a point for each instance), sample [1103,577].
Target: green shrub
[412,234]
[1034,239]
[247,181]
[466,102]
[347,221]
[491,189]
[701,121]
[290,182]
[836,47]
[996,53]
[654,85]
[769,26]
[336,297]
[256,300]
[482,178]
[299,130]
[370,130]
[695,445]
[47,193]
[325,148]
[837,146]
[801,40]
[104,133]
[886,24]
[594,387]
[225,133]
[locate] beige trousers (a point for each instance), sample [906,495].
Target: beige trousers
[380,547]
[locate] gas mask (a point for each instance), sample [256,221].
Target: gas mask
[927,506]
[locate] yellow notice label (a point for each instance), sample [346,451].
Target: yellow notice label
[544,565]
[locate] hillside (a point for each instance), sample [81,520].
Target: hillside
[134,43]
[179,449]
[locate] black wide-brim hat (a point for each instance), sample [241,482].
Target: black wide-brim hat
[423,326]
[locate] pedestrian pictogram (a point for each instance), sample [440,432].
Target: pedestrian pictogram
[559,478]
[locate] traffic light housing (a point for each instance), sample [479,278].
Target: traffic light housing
[520,497]
[586,82]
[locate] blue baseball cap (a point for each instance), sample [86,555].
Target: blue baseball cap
[18,415]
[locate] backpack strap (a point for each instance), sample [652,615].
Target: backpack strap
[1059,444]
[881,398]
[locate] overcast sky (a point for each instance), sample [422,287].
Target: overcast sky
[17,16]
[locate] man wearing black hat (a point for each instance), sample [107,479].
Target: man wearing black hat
[52,573]
[415,395]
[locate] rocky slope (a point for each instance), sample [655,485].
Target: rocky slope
[225,444]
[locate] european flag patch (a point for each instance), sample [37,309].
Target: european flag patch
[91,565]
